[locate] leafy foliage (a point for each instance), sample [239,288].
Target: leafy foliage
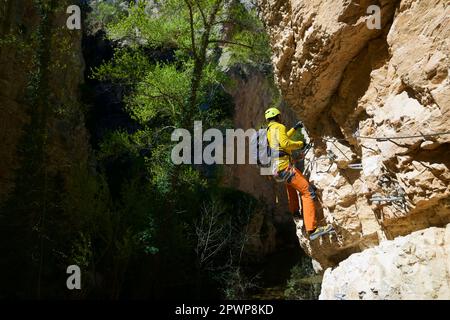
[128,217]
[248,30]
[103,13]
[303,284]
[163,93]
[127,67]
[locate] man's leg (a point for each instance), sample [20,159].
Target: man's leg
[294,205]
[300,183]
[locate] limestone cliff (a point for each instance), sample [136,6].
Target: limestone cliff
[416,266]
[41,69]
[354,86]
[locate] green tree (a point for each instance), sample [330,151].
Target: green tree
[166,60]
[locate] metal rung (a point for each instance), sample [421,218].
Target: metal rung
[388,199]
[355,166]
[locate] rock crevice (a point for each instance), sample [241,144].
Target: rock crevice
[356,88]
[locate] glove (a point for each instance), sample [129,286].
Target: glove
[298,125]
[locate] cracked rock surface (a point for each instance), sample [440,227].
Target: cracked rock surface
[347,81]
[416,266]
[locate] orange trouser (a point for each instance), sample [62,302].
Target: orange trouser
[300,184]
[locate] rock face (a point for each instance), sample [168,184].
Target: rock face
[352,84]
[23,49]
[252,92]
[416,267]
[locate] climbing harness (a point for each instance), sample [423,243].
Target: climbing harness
[286,175]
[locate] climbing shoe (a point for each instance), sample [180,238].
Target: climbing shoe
[321,231]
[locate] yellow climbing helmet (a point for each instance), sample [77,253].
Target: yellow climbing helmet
[271,112]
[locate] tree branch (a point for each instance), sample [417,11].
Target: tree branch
[191,23]
[201,12]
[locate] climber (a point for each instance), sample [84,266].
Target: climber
[284,170]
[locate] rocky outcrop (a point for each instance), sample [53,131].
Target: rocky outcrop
[22,55]
[416,267]
[351,85]
[313,43]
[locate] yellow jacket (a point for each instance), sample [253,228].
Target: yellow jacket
[279,140]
